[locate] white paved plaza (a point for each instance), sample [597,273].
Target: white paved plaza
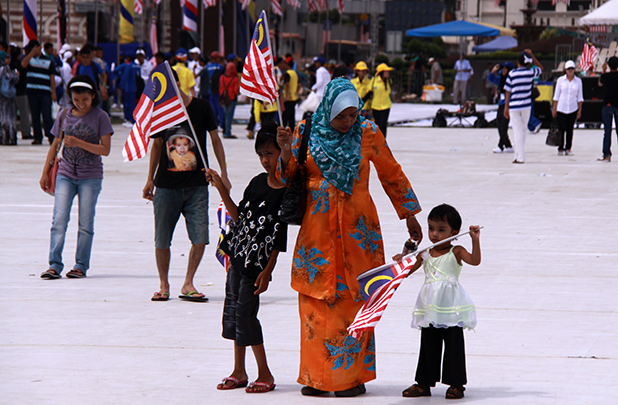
[545,291]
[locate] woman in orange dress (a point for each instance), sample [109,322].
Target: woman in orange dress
[340,236]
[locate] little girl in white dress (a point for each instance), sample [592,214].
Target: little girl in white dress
[443,308]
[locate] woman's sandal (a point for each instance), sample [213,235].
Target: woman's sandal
[416,390]
[76,273]
[352,392]
[455,392]
[311,392]
[235,383]
[50,274]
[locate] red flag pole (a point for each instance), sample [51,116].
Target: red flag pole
[271,49]
[184,109]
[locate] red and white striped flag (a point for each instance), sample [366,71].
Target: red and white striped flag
[258,80]
[589,54]
[340,6]
[312,5]
[244,3]
[137,6]
[369,315]
[210,3]
[323,5]
[276,7]
[159,108]
[294,3]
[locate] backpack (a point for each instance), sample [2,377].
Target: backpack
[7,89]
[224,99]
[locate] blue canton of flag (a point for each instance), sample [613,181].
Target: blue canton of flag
[225,223]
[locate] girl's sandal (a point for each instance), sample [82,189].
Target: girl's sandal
[417,390]
[455,392]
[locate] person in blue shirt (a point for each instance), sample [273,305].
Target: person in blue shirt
[128,73]
[215,70]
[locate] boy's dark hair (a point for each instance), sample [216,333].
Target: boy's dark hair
[86,50]
[267,134]
[160,55]
[448,213]
[81,90]
[47,46]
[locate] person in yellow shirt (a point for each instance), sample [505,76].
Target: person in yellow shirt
[291,87]
[265,112]
[187,79]
[362,83]
[381,100]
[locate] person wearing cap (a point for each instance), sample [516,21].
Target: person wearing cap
[66,75]
[381,87]
[212,73]
[183,192]
[362,84]
[609,82]
[518,99]
[498,77]
[40,72]
[463,72]
[290,86]
[435,74]
[567,106]
[144,64]
[194,65]
[322,77]
[85,133]
[340,236]
[187,80]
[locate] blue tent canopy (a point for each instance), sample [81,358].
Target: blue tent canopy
[458,28]
[497,44]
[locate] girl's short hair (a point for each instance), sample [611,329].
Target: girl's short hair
[83,84]
[448,213]
[267,134]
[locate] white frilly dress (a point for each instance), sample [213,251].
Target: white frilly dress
[442,301]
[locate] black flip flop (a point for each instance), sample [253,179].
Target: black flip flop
[48,275]
[193,296]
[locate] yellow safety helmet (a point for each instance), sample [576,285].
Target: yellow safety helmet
[383,67]
[361,66]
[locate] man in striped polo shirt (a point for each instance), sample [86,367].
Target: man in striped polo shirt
[518,99]
[40,71]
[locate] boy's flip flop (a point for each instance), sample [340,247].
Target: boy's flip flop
[259,387]
[159,296]
[234,381]
[50,274]
[193,296]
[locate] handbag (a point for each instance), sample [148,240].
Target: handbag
[553,136]
[535,93]
[53,172]
[294,199]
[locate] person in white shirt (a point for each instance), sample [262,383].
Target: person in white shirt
[144,64]
[66,75]
[567,107]
[194,66]
[322,77]
[463,71]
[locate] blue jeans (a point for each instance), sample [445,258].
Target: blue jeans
[229,117]
[169,203]
[216,108]
[88,191]
[608,113]
[129,104]
[532,121]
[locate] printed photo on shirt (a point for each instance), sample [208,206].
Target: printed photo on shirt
[181,150]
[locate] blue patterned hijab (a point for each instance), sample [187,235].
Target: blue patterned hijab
[336,154]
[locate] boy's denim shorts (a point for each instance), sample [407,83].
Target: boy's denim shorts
[192,203]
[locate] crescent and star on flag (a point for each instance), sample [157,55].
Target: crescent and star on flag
[162,85]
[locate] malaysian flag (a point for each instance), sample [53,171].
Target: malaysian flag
[258,79]
[225,223]
[323,5]
[294,3]
[29,25]
[340,6]
[378,286]
[244,3]
[189,18]
[312,5]
[589,54]
[276,7]
[138,6]
[159,108]
[210,3]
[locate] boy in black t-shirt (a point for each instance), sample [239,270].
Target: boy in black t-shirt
[609,81]
[253,246]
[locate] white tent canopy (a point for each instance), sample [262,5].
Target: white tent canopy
[607,14]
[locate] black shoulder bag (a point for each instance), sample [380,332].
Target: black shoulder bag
[294,198]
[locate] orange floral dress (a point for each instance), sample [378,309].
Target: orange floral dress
[339,239]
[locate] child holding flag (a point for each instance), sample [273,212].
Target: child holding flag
[253,246]
[443,308]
